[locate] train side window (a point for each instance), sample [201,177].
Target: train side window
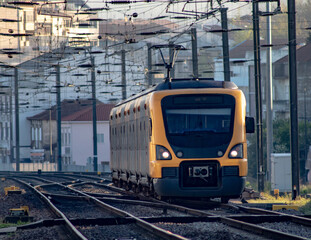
[150,127]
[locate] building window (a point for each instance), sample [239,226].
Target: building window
[2,132]
[40,134]
[7,131]
[67,151]
[100,138]
[66,136]
[37,137]
[1,105]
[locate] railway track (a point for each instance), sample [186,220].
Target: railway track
[68,206]
[269,224]
[138,213]
[38,210]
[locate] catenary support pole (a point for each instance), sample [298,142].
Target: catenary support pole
[149,60]
[123,74]
[293,97]
[16,94]
[269,97]
[194,52]
[11,122]
[257,70]
[17,142]
[225,44]
[59,119]
[171,54]
[94,114]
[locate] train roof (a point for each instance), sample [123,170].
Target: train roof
[182,84]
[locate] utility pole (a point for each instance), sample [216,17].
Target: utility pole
[59,119]
[17,150]
[259,148]
[269,97]
[94,114]
[123,74]
[293,96]
[149,75]
[194,53]
[225,44]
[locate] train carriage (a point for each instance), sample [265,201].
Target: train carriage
[182,139]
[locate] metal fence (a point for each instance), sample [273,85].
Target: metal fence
[52,167]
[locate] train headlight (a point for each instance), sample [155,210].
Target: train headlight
[236,151]
[163,153]
[166,155]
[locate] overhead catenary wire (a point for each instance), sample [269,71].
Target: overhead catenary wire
[184,26]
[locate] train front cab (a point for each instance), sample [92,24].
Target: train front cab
[198,143]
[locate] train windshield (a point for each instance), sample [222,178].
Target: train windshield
[199,127]
[194,121]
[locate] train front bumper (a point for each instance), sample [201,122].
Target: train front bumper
[226,185]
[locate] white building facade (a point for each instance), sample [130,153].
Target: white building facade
[77,142]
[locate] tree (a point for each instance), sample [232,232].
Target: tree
[279,23]
[281,144]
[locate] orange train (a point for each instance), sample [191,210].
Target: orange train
[182,139]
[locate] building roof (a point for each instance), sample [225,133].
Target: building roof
[68,107]
[217,30]
[303,54]
[239,50]
[102,113]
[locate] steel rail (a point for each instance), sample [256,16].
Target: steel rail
[194,212]
[229,220]
[296,219]
[133,202]
[253,228]
[242,225]
[143,224]
[89,177]
[270,233]
[69,225]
